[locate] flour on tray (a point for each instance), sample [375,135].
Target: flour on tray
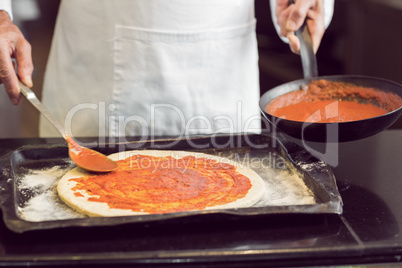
[285,188]
[39,190]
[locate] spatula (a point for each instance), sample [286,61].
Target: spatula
[85,158]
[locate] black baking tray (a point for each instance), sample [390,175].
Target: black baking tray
[317,176]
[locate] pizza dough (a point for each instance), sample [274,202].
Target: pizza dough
[78,199]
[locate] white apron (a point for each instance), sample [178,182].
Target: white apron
[153,67]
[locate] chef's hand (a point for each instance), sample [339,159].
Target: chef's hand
[14,45]
[291,17]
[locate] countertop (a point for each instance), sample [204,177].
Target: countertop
[369,179]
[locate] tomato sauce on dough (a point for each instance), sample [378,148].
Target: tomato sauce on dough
[326,101]
[165,184]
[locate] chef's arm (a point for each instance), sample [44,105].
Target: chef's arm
[13,45]
[288,18]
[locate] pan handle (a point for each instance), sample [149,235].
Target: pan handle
[308,59]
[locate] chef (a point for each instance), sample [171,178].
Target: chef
[153,67]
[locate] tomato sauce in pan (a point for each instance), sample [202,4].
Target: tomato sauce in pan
[326,101]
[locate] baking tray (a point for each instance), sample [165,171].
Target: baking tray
[296,181]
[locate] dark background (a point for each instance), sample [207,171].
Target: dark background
[364,38]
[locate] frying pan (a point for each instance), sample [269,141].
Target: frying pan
[329,132]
